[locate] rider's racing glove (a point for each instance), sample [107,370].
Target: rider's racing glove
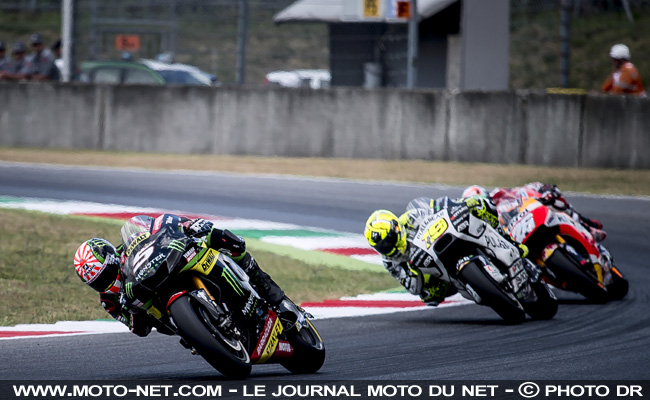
[523,250]
[197,227]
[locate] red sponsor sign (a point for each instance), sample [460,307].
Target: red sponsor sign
[403,9]
[127,42]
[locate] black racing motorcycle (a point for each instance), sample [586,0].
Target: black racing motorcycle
[204,297]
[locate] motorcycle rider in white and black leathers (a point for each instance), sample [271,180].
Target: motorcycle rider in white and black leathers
[391,237]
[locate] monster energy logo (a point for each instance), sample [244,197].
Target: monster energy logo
[176,245]
[232,281]
[129,289]
[97,242]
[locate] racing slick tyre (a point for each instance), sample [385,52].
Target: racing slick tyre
[308,350]
[619,287]
[491,293]
[198,328]
[567,269]
[546,305]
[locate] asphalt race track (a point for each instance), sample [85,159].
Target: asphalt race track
[584,341]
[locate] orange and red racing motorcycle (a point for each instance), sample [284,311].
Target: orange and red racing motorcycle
[565,250]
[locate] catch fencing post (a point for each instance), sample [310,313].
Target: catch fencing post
[241,42]
[67,37]
[412,68]
[565,42]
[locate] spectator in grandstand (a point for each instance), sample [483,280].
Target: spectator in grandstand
[625,78]
[17,68]
[3,58]
[41,62]
[58,60]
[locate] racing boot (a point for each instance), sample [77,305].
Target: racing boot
[265,286]
[160,328]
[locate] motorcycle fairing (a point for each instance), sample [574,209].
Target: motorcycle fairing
[269,344]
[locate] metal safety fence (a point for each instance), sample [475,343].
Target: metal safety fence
[553,43]
[235,40]
[566,43]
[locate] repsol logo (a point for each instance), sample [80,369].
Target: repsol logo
[265,335]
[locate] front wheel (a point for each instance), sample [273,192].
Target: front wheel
[197,327]
[308,350]
[491,294]
[546,305]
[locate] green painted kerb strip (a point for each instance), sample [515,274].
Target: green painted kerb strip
[313,257]
[257,233]
[5,199]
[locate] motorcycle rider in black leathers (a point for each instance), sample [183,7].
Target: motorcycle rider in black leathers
[97,262]
[391,237]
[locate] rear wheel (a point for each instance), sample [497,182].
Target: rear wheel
[492,294]
[568,270]
[546,305]
[195,324]
[308,350]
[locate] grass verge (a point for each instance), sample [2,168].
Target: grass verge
[591,180]
[38,283]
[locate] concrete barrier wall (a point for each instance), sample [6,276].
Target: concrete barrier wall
[495,127]
[553,129]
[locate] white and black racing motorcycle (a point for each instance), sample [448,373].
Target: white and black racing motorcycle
[483,266]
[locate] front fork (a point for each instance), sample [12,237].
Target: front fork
[513,280]
[218,313]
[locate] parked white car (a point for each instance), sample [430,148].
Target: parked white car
[180,73]
[313,78]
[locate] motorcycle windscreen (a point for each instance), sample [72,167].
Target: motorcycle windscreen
[152,260]
[133,227]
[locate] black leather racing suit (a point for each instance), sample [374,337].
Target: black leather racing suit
[140,323]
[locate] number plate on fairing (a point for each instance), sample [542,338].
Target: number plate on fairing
[434,232]
[519,276]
